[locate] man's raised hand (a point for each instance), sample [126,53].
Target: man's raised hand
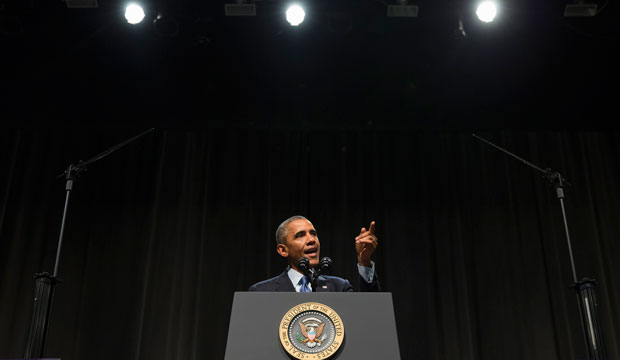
[365,244]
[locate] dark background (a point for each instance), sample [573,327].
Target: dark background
[347,64]
[349,118]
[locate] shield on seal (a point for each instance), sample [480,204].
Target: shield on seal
[311,334]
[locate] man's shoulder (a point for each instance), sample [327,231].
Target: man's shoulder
[276,283]
[334,283]
[334,279]
[264,284]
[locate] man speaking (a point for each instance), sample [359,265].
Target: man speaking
[296,239]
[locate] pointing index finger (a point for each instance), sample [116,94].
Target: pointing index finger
[372,228]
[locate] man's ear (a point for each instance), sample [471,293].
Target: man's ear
[282,250]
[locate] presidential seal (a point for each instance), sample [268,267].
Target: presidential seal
[311,331]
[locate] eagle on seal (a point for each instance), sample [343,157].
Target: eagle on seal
[311,334]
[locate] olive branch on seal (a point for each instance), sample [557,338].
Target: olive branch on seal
[299,338]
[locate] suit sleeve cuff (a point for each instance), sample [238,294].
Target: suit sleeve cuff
[367,272]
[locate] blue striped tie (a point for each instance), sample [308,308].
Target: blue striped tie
[304,284]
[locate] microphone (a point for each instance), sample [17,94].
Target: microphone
[303,264]
[325,265]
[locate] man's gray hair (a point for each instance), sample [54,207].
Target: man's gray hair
[283,228]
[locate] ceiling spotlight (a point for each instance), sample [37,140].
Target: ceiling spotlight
[295,15]
[134,14]
[486,11]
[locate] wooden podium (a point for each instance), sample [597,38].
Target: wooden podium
[258,322]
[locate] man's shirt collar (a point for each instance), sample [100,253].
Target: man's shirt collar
[295,276]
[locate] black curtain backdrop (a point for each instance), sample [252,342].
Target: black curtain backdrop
[161,233]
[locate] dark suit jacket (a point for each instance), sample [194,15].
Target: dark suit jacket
[282,283]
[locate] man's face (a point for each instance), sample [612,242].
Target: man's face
[301,240]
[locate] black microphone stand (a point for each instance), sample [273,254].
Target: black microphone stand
[44,282]
[303,264]
[586,288]
[324,266]
[314,276]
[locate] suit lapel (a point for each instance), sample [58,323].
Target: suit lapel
[283,283]
[321,285]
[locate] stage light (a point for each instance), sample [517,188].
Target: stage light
[295,15]
[134,14]
[486,11]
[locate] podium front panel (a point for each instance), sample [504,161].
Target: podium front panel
[368,320]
